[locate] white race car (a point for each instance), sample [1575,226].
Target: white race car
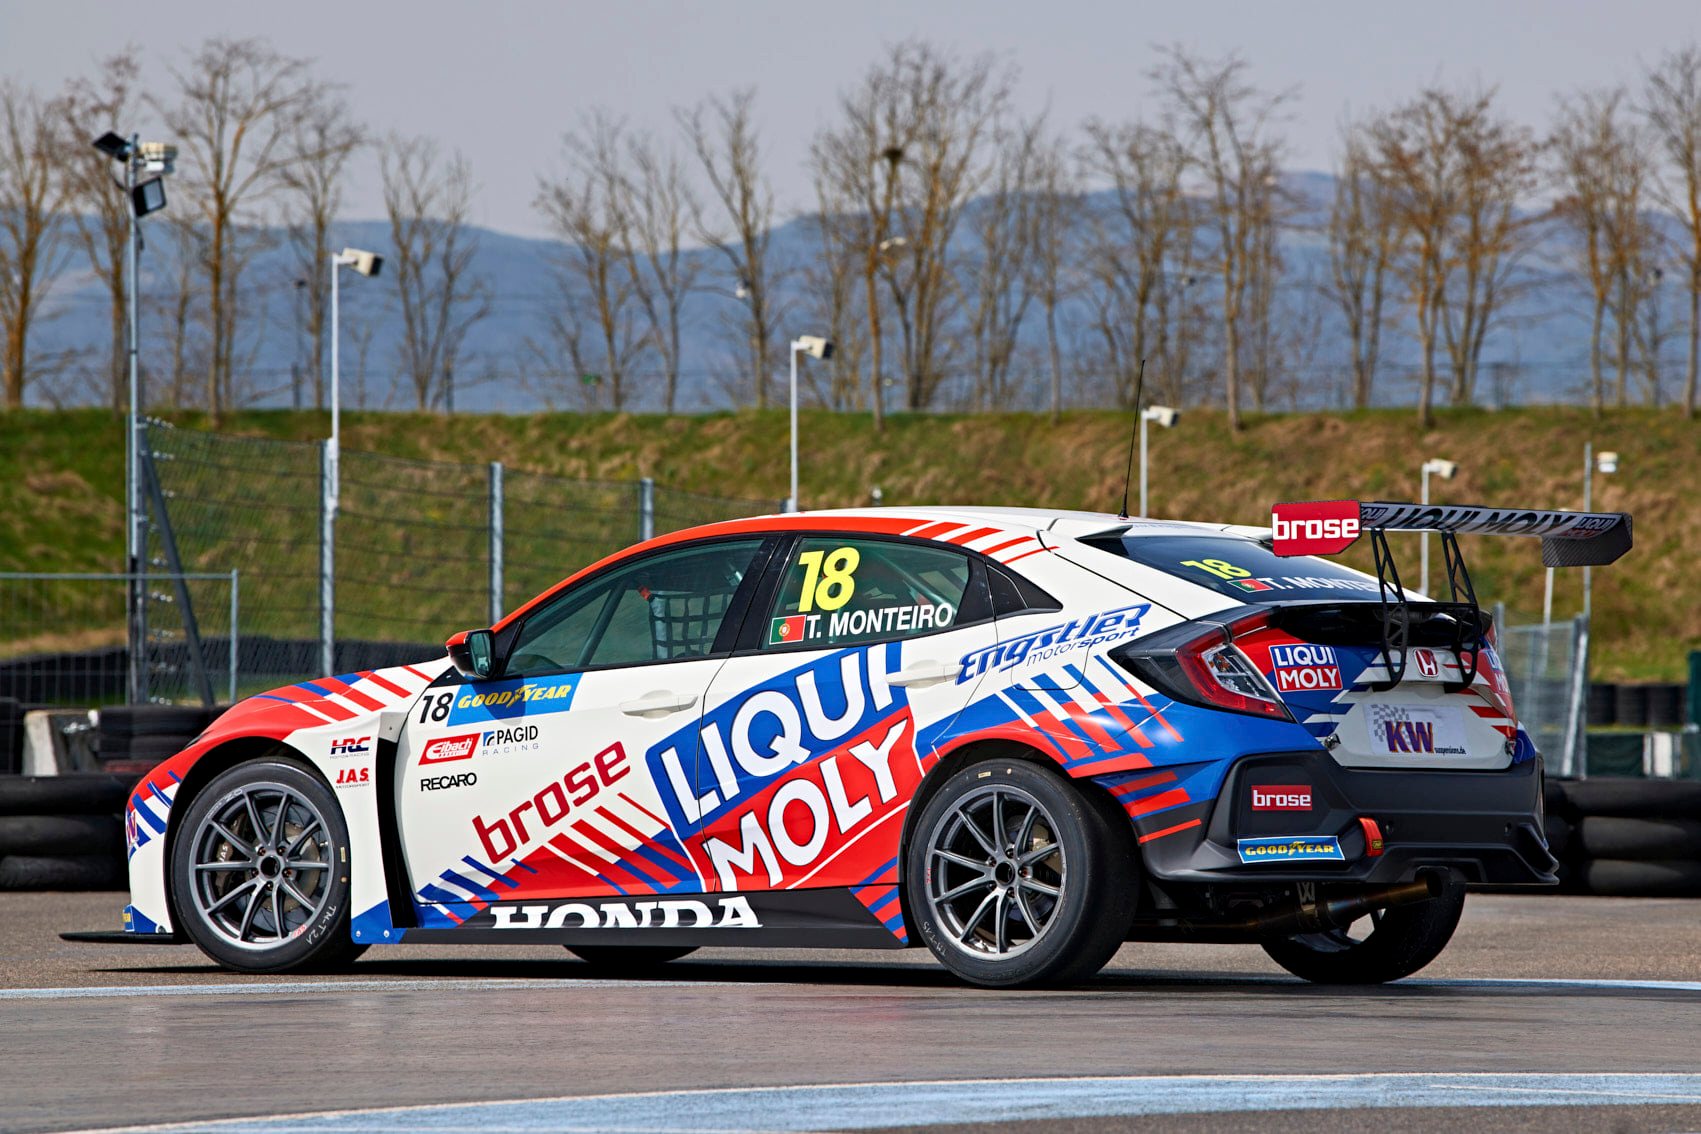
[1021,737]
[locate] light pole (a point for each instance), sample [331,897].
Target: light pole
[815,347]
[1445,470]
[1606,463]
[1165,416]
[367,264]
[145,197]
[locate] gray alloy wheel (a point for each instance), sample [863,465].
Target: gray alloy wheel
[997,872]
[1014,876]
[260,870]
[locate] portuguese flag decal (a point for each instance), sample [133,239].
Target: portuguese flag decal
[786,630]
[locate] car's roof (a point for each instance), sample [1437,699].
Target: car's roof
[1005,534]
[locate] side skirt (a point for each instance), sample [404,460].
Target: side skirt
[825,919]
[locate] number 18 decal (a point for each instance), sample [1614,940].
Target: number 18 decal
[829,578]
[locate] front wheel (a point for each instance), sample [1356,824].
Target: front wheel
[260,870]
[1382,946]
[1016,877]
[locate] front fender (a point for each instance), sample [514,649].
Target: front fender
[334,724]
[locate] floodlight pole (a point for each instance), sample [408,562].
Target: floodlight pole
[134,527]
[332,487]
[791,501]
[1423,540]
[1588,504]
[1142,465]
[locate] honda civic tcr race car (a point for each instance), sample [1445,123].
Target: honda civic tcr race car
[1020,737]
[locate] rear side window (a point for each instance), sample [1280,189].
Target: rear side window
[838,591]
[1241,568]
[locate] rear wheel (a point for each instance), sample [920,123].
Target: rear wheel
[629,960]
[1015,877]
[260,871]
[1382,946]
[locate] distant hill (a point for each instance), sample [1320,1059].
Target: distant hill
[1538,352]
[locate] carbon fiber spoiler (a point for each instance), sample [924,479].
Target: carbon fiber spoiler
[1569,539]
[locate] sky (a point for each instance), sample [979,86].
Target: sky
[503,81]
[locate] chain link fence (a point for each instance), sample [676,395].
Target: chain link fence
[416,549]
[1547,670]
[64,638]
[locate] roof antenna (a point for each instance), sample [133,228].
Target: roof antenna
[1139,391]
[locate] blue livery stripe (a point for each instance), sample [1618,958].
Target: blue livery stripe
[485,893]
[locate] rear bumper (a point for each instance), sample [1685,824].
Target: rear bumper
[1482,826]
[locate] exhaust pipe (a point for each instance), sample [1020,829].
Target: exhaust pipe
[1338,913]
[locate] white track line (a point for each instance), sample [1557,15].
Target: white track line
[1162,982]
[842,1106]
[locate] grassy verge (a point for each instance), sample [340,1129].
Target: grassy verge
[61,480]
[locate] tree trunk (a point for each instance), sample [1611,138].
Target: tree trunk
[1056,363]
[874,348]
[1598,398]
[1689,385]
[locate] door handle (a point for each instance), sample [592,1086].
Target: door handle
[923,673]
[658,703]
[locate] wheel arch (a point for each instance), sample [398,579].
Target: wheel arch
[211,764]
[972,751]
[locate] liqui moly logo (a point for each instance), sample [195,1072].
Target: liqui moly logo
[1281,797]
[446,748]
[1304,667]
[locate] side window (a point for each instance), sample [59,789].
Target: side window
[838,591]
[663,608]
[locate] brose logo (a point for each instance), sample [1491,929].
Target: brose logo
[1281,797]
[438,783]
[1315,528]
[446,748]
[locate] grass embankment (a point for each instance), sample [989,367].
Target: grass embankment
[61,480]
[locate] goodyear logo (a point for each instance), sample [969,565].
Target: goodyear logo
[1291,848]
[503,700]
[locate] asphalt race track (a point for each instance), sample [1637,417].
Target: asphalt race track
[1547,1013]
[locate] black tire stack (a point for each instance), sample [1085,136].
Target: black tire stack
[131,739]
[63,832]
[1627,837]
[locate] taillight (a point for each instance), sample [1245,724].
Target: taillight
[1227,679]
[1207,670]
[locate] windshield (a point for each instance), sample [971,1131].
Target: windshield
[1241,568]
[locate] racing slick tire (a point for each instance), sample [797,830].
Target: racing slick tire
[629,960]
[260,871]
[1400,941]
[1015,877]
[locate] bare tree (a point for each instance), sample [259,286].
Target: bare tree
[1672,103]
[238,102]
[93,105]
[1001,224]
[914,146]
[180,304]
[32,197]
[831,281]
[428,199]
[1140,241]
[1499,164]
[322,139]
[1227,125]
[1363,238]
[722,133]
[1056,205]
[663,273]
[589,208]
[1417,155]
[1601,159]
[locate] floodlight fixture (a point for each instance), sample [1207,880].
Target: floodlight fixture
[366,263]
[1165,416]
[148,196]
[1444,469]
[112,145]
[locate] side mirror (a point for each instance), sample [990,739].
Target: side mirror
[473,653]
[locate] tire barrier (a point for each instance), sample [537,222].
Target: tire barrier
[1626,837]
[1642,705]
[63,832]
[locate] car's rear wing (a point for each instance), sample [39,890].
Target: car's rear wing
[1326,527]
[1569,539]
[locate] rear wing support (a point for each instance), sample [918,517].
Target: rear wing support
[1327,527]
